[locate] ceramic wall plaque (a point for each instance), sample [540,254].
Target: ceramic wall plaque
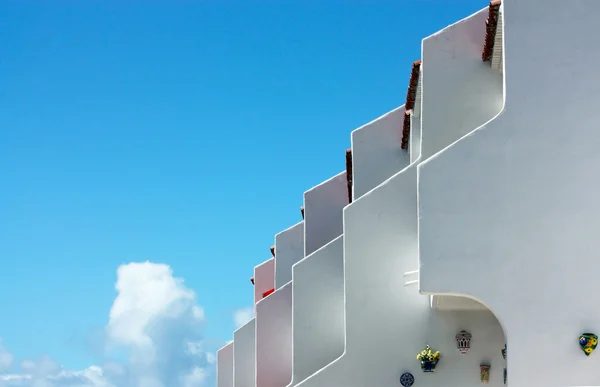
[484,370]
[407,379]
[588,342]
[463,342]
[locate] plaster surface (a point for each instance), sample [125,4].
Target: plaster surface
[323,206]
[455,303]
[289,249]
[244,356]
[388,323]
[376,152]
[381,241]
[415,138]
[318,309]
[225,366]
[264,278]
[459,91]
[517,223]
[274,339]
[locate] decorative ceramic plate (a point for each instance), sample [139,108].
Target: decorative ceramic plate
[407,379]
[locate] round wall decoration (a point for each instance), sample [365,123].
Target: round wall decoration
[407,379]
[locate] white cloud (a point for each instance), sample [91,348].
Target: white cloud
[196,377]
[156,319]
[242,316]
[46,373]
[6,358]
[148,292]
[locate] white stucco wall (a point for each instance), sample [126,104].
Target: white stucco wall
[264,278]
[244,349]
[517,226]
[274,339]
[459,91]
[415,138]
[323,207]
[388,323]
[225,366]
[380,234]
[318,314]
[289,249]
[376,152]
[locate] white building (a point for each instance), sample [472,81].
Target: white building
[471,207]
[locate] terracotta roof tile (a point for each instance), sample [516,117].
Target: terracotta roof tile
[349,173]
[490,30]
[406,130]
[411,95]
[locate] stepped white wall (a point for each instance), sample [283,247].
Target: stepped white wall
[323,207]
[318,300]
[225,366]
[451,110]
[517,222]
[386,322]
[500,210]
[274,338]
[264,278]
[244,355]
[289,249]
[376,153]
[460,92]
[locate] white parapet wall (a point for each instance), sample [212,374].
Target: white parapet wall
[318,300]
[460,92]
[264,279]
[225,366]
[274,338]
[244,355]
[289,249]
[516,226]
[323,206]
[376,152]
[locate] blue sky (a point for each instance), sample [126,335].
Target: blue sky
[175,133]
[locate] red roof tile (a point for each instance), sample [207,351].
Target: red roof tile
[411,96]
[490,30]
[349,173]
[405,130]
